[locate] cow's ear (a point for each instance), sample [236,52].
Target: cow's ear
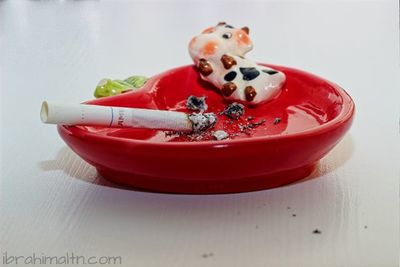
[246,29]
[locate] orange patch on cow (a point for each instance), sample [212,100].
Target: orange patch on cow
[242,38]
[208,30]
[209,48]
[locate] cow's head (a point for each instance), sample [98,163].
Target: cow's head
[219,40]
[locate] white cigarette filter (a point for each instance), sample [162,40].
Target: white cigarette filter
[92,115]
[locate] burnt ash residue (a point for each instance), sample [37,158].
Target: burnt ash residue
[248,127]
[234,111]
[195,103]
[207,255]
[191,137]
[220,135]
[202,121]
[205,126]
[277,120]
[317,232]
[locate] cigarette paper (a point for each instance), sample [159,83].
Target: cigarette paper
[120,117]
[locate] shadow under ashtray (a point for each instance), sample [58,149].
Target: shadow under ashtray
[72,165]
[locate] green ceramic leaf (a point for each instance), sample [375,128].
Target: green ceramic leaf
[136,81]
[109,87]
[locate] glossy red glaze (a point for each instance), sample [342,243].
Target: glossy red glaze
[314,113]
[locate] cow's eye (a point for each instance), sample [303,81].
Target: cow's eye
[227,35]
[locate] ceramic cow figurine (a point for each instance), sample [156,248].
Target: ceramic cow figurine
[219,51]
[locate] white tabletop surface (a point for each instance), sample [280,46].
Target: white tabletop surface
[53,203]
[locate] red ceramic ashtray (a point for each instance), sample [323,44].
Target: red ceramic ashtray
[314,115]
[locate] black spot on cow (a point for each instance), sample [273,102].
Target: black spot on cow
[230,76]
[249,73]
[270,72]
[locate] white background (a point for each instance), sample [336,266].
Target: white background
[52,202]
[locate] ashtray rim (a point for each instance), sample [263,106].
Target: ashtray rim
[346,113]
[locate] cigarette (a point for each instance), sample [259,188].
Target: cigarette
[120,117]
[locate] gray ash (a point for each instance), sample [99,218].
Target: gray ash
[207,255]
[220,135]
[196,103]
[190,136]
[171,133]
[234,111]
[201,122]
[255,124]
[246,128]
[277,120]
[317,232]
